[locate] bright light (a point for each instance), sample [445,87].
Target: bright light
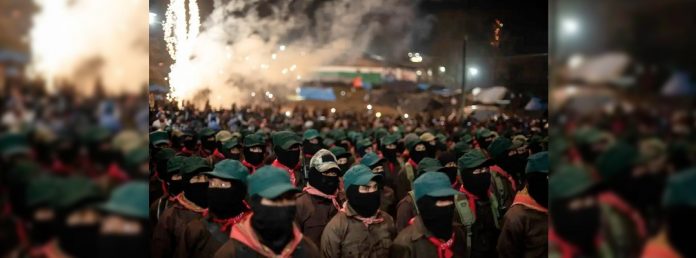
[274,56]
[270,96]
[473,71]
[378,114]
[284,71]
[570,26]
[406,116]
[253,94]
[417,58]
[153,18]
[369,107]
[299,77]
[419,73]
[297,90]
[575,61]
[474,107]
[442,69]
[288,113]
[571,90]
[333,110]
[281,48]
[410,54]
[430,72]
[343,93]
[476,91]
[292,67]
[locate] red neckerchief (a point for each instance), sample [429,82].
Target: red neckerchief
[114,171]
[523,198]
[472,198]
[58,167]
[313,191]
[366,221]
[290,171]
[253,167]
[226,224]
[189,205]
[413,163]
[217,154]
[185,150]
[568,250]
[243,233]
[507,176]
[444,249]
[615,201]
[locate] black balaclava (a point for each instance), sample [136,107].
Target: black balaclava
[121,245]
[325,184]
[579,227]
[513,165]
[389,154]
[680,228]
[43,230]
[477,184]
[309,148]
[587,153]
[227,202]
[451,172]
[79,241]
[483,143]
[365,204]
[417,156]
[209,144]
[254,158]
[345,144]
[189,142]
[651,188]
[196,192]
[431,149]
[538,186]
[289,158]
[229,155]
[346,166]
[174,187]
[273,224]
[438,220]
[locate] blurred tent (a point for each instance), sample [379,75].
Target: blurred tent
[7,56]
[605,68]
[678,85]
[156,88]
[534,104]
[491,95]
[317,93]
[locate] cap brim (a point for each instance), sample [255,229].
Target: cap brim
[123,210]
[158,142]
[366,178]
[289,144]
[220,175]
[278,190]
[442,192]
[16,150]
[327,166]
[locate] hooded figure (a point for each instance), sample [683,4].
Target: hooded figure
[320,199]
[406,208]
[417,150]
[360,228]
[123,231]
[208,143]
[377,165]
[432,233]
[226,192]
[485,137]
[389,150]
[270,231]
[254,152]
[525,225]
[171,176]
[511,156]
[448,160]
[286,146]
[344,159]
[78,224]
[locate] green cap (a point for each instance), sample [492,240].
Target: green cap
[472,159]
[253,140]
[428,164]
[174,164]
[364,143]
[136,156]
[328,141]
[159,137]
[285,139]
[539,162]
[74,190]
[206,133]
[412,142]
[587,135]
[223,136]
[230,169]
[338,135]
[466,138]
[130,199]
[43,191]
[380,133]
[13,143]
[680,190]
[193,164]
[499,147]
[617,159]
[165,154]
[228,145]
[434,185]
[461,147]
[359,175]
[569,181]
[483,133]
[310,134]
[270,182]
[389,139]
[518,141]
[96,134]
[370,159]
[651,149]
[339,151]
[426,137]
[441,138]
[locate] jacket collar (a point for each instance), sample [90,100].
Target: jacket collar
[523,198]
[244,233]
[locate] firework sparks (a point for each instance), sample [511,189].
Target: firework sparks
[180,35]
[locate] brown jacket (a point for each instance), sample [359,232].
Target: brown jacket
[402,182]
[346,236]
[413,242]
[405,211]
[202,237]
[387,201]
[524,231]
[169,229]
[245,243]
[313,213]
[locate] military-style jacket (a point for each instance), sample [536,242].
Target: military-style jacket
[244,243]
[170,227]
[413,242]
[404,179]
[348,236]
[202,237]
[524,231]
[313,213]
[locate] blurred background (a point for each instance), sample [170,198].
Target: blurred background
[622,114]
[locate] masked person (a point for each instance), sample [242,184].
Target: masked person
[376,164]
[42,199]
[79,226]
[123,231]
[360,229]
[432,233]
[364,146]
[650,175]
[525,225]
[510,157]
[431,144]
[232,149]
[487,197]
[448,160]
[269,231]
[311,143]
[389,151]
[254,152]
[485,137]
[208,143]
[189,142]
[171,176]
[590,143]
[417,150]
[203,236]
[406,208]
[286,146]
[320,199]
[190,204]
[344,159]
[218,155]
[680,203]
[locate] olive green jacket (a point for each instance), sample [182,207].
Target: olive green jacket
[346,236]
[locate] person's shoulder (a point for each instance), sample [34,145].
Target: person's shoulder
[309,248]
[406,236]
[407,200]
[387,218]
[226,250]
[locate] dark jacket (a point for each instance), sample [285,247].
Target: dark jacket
[403,179]
[405,211]
[524,231]
[313,213]
[413,242]
[158,207]
[387,201]
[202,237]
[169,229]
[346,236]
[244,243]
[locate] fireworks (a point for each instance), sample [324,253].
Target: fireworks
[180,35]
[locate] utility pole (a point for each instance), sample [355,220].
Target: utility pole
[464,77]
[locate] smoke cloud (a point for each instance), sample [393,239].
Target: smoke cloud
[252,46]
[86,42]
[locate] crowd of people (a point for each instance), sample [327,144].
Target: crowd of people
[74,172]
[254,181]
